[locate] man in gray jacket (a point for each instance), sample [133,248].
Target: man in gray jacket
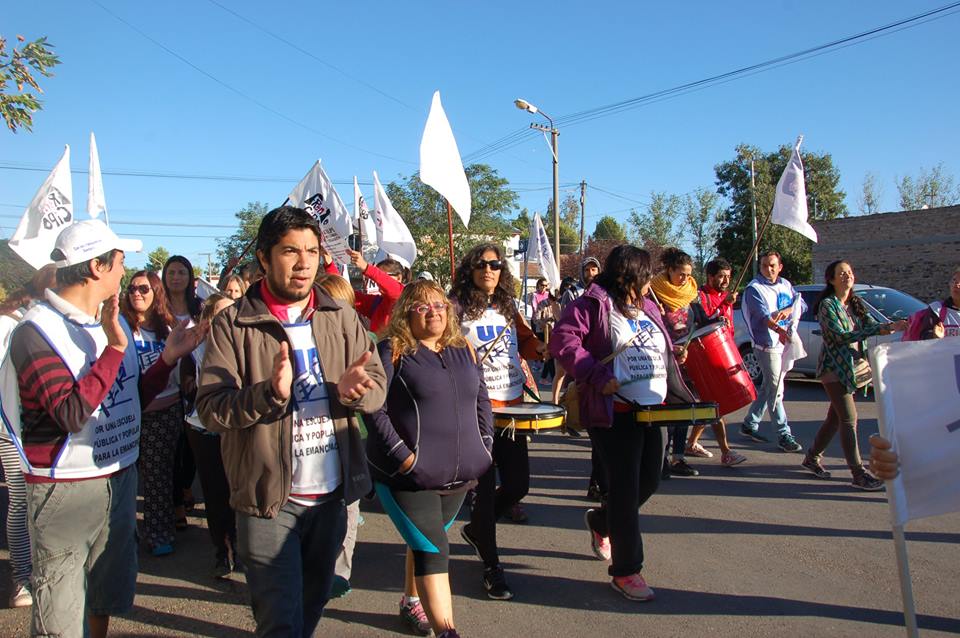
[285,370]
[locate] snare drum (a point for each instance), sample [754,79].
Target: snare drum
[676,414]
[529,416]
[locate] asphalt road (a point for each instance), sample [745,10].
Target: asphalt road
[763,549]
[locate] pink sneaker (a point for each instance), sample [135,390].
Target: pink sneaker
[731,458]
[699,451]
[599,544]
[414,617]
[633,587]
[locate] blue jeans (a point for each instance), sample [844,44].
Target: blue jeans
[770,394]
[290,561]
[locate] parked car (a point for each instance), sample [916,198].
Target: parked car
[885,304]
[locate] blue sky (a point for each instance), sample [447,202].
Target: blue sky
[355,88]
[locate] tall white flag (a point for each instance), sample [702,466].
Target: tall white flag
[318,197]
[917,385]
[50,211]
[538,245]
[365,221]
[393,236]
[440,163]
[96,200]
[790,201]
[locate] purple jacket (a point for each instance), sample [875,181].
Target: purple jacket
[581,338]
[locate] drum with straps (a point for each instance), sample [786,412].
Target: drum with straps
[716,369]
[529,416]
[676,414]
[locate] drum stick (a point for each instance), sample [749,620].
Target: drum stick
[493,344]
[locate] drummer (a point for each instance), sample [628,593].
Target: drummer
[717,302]
[483,293]
[614,315]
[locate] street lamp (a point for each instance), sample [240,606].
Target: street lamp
[523,105]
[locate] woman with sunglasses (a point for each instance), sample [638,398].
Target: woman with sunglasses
[144,306]
[483,291]
[428,444]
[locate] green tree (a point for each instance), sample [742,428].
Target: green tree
[825,200]
[19,67]
[870,195]
[569,224]
[156,258]
[929,190]
[700,214]
[608,228]
[491,219]
[249,218]
[655,226]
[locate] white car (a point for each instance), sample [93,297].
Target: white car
[885,304]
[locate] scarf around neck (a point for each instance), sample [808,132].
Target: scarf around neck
[671,296]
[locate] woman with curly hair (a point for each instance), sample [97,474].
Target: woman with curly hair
[483,291]
[428,444]
[144,306]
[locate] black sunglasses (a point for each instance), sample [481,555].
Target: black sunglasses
[494,264]
[143,289]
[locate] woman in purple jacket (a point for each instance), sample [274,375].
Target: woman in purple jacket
[615,314]
[429,443]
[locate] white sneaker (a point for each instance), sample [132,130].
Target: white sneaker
[21,596]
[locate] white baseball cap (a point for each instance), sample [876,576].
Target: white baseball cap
[82,241]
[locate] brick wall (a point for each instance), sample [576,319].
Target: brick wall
[915,251]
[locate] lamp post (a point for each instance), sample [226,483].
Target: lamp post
[523,105]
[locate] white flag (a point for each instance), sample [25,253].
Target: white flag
[50,212]
[793,350]
[393,236]
[440,163]
[538,245]
[96,201]
[790,201]
[318,197]
[365,221]
[917,385]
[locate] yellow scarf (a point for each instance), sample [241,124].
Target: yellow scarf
[673,297]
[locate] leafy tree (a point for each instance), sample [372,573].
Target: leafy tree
[608,228]
[492,205]
[156,258]
[700,214]
[928,190]
[655,226]
[19,67]
[870,195]
[825,200]
[569,224]
[249,218]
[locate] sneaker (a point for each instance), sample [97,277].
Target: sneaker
[868,482]
[164,549]
[340,588]
[731,458]
[813,466]
[517,514]
[753,434]
[633,587]
[599,544]
[449,633]
[471,541]
[682,468]
[21,596]
[789,444]
[413,616]
[698,451]
[222,569]
[593,492]
[496,583]
[665,471]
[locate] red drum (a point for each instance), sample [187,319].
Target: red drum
[714,365]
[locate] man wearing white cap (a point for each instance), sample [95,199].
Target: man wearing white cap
[77,423]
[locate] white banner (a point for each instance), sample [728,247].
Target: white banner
[440,163]
[318,197]
[539,246]
[50,212]
[790,200]
[393,236]
[917,385]
[793,350]
[365,222]
[96,200]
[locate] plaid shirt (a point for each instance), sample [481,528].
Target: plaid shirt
[840,332]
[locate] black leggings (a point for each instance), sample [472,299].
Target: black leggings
[512,461]
[422,518]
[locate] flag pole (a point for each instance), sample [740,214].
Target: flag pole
[246,249]
[453,268]
[756,243]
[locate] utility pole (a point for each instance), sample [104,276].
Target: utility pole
[209,264]
[583,201]
[753,206]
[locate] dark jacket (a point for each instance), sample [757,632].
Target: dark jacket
[437,408]
[235,398]
[581,339]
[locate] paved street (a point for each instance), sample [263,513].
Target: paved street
[763,549]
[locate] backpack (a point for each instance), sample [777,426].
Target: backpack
[923,324]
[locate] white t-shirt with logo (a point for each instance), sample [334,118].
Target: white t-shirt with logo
[502,371]
[641,368]
[316,457]
[149,349]
[951,319]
